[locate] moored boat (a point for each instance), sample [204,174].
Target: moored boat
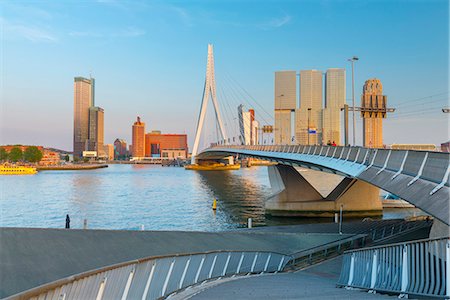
[7,169]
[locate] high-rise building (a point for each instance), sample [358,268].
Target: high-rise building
[83,100]
[285,104]
[373,111]
[244,125]
[248,126]
[334,101]
[96,130]
[120,149]
[138,137]
[308,125]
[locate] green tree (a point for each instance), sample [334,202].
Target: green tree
[32,154]
[66,158]
[15,154]
[3,154]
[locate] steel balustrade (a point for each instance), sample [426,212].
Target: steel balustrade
[157,277]
[419,268]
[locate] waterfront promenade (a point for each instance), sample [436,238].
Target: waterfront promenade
[32,257]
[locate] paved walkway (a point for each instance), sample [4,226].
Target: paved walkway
[31,257]
[317,282]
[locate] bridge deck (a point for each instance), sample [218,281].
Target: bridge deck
[421,178]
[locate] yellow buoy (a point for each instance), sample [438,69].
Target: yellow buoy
[214,204]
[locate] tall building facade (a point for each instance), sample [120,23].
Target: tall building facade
[96,130]
[138,137]
[244,125]
[88,120]
[308,125]
[373,111]
[285,104]
[83,100]
[334,101]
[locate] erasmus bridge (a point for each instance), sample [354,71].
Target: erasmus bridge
[419,177]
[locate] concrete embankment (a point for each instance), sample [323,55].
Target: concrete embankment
[72,167]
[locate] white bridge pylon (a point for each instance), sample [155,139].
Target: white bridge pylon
[209,90]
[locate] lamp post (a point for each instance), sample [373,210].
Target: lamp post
[352,60]
[309,116]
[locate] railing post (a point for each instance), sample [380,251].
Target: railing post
[149,280]
[101,289]
[127,286]
[184,273]
[352,269]
[373,278]
[166,281]
[405,276]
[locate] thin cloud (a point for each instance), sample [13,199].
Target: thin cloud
[276,22]
[28,32]
[280,21]
[128,32]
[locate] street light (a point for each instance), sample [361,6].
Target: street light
[352,60]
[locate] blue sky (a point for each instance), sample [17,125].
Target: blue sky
[149,59]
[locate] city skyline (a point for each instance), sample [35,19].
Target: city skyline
[141,71]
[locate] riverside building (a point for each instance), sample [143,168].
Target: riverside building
[88,120]
[373,111]
[334,101]
[308,118]
[138,139]
[170,146]
[285,105]
[314,123]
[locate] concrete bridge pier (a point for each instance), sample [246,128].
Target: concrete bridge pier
[295,196]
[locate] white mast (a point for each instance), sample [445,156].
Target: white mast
[209,89]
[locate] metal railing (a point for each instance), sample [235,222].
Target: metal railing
[314,255]
[381,233]
[156,277]
[419,268]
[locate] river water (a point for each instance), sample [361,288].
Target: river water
[131,196]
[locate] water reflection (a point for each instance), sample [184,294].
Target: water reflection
[237,194]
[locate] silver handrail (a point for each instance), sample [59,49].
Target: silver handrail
[157,276]
[419,268]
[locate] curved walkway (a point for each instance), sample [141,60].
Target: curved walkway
[317,282]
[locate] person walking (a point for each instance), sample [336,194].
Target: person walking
[67,222]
